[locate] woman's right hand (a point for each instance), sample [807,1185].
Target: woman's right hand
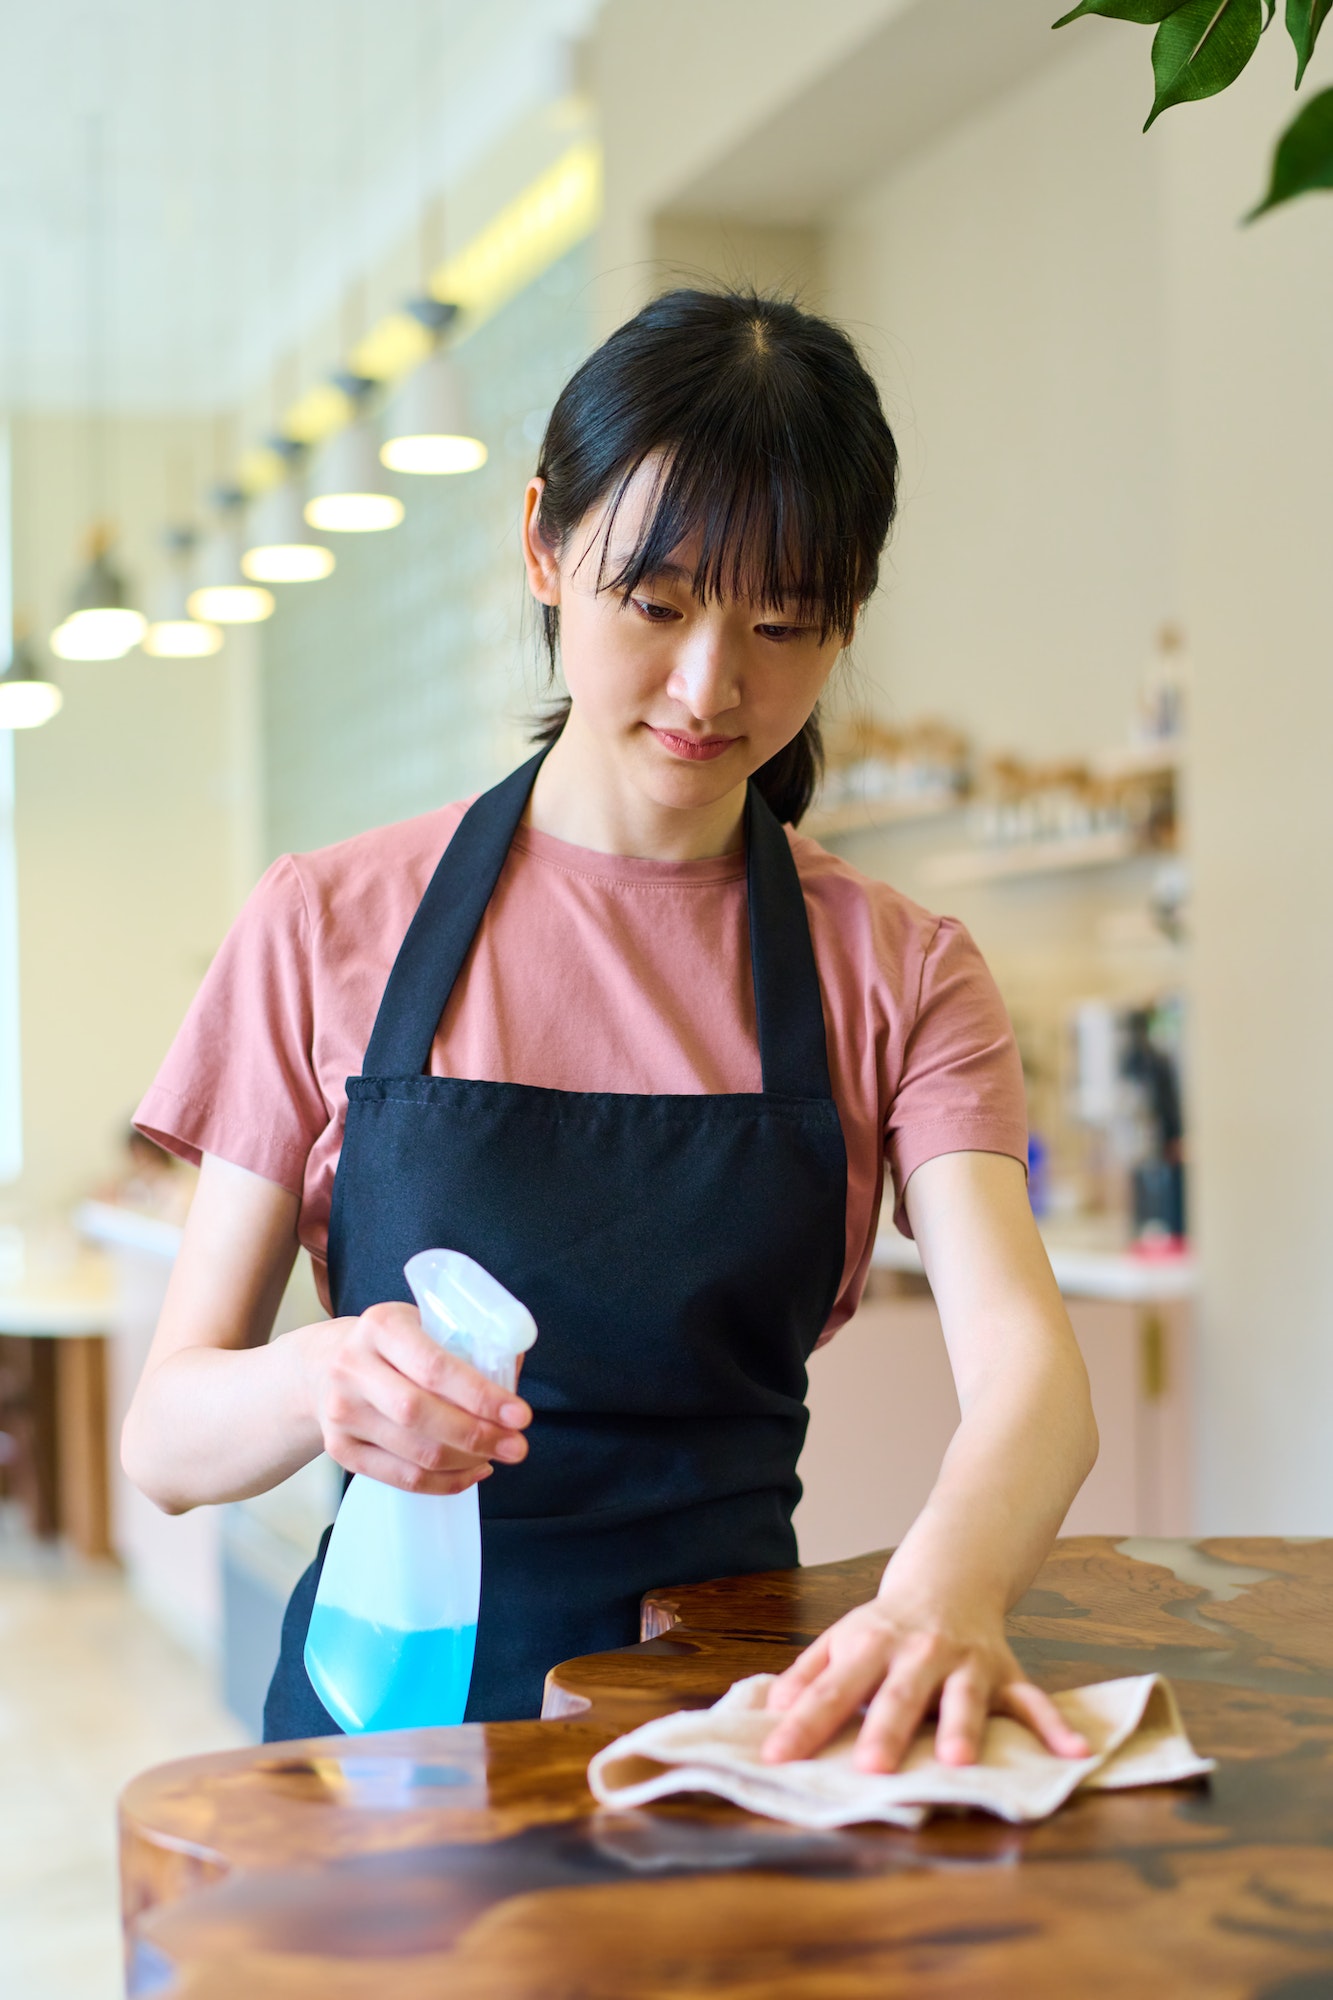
[392,1404]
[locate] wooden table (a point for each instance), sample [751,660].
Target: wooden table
[471,1863]
[53,1328]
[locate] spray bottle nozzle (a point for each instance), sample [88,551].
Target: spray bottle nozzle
[470,1313]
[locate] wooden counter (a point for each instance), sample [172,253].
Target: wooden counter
[472,1862]
[54,1319]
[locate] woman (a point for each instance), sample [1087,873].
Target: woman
[621,1037]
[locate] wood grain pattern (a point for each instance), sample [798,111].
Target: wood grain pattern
[473,1862]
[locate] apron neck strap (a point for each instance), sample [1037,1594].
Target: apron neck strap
[788,1007]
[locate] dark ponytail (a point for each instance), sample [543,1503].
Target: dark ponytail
[776,454]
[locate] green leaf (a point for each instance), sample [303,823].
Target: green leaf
[1303,161]
[1201,48]
[1146,11]
[1304,20]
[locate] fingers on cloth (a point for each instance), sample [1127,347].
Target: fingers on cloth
[805,1668]
[823,1706]
[964,1705]
[894,1713]
[1030,1704]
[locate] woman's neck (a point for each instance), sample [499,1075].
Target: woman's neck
[585,796]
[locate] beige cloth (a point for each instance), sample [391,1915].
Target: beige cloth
[1133,1726]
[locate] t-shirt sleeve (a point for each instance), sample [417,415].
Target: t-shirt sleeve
[239,1080]
[961,1087]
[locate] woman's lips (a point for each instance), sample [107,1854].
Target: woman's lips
[697,749]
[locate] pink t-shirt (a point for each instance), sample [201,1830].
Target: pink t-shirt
[589,972]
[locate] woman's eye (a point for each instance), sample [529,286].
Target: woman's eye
[782,632]
[657,614]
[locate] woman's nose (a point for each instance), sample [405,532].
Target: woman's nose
[702,679]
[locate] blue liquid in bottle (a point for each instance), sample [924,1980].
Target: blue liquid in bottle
[389,1679]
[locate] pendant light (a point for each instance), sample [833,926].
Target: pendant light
[27,697]
[349,495]
[173,634]
[222,595]
[101,623]
[280,547]
[427,422]
[426,427]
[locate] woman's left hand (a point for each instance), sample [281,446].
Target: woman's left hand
[904,1659]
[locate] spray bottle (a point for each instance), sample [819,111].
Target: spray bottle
[394,1623]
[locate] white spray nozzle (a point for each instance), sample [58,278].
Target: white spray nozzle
[470,1313]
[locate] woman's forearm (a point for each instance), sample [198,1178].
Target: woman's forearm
[1026,1443]
[212,1424]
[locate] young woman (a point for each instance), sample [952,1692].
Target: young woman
[622,1035]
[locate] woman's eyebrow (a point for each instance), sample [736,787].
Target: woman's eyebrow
[665,572]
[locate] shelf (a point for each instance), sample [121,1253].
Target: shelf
[874,815]
[1041,857]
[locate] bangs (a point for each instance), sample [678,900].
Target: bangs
[765,521]
[772,475]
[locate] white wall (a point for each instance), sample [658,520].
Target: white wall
[676,86]
[1252,405]
[1115,406]
[1005,284]
[133,814]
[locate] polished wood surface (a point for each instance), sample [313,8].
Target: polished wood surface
[472,1862]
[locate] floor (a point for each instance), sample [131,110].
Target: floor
[91,1691]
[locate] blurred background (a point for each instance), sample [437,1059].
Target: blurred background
[286,293]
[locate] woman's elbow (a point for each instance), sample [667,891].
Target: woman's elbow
[139,1469]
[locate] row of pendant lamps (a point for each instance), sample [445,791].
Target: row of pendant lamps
[428,434]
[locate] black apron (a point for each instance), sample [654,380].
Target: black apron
[680,1255]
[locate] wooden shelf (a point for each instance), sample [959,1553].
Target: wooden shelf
[1041,857]
[874,815]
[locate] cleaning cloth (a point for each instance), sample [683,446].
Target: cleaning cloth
[1133,1727]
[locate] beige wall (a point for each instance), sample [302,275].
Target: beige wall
[1115,406]
[1252,411]
[133,813]
[1005,284]
[703,250]
[678,85]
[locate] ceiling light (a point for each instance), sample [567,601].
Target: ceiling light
[221,595]
[182,639]
[350,496]
[173,633]
[27,699]
[427,423]
[101,624]
[230,603]
[281,548]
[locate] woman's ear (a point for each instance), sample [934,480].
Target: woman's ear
[539,559]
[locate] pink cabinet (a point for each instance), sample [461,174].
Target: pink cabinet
[883,1408]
